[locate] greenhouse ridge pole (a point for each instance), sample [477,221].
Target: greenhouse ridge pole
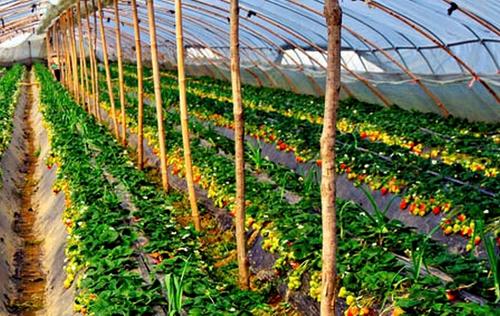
[333,14]
[120,73]
[239,139]
[184,116]
[106,68]
[140,91]
[157,87]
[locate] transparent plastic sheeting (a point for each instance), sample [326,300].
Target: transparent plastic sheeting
[386,44]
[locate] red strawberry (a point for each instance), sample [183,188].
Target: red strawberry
[422,207]
[403,204]
[282,146]
[348,170]
[343,166]
[318,162]
[299,159]
[413,206]
[384,190]
[436,210]
[498,242]
[477,240]
[461,217]
[451,295]
[363,135]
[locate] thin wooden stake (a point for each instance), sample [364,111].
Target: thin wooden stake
[140,91]
[184,116]
[97,95]
[120,73]
[158,100]
[106,68]
[74,58]
[67,62]
[93,87]
[83,61]
[239,134]
[55,39]
[47,44]
[333,14]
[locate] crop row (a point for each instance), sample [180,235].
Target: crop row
[9,93]
[104,237]
[291,230]
[427,185]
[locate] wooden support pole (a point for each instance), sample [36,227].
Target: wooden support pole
[48,49]
[83,60]
[93,87]
[140,91]
[239,139]
[120,73]
[55,39]
[67,62]
[333,14]
[157,87]
[74,58]
[184,116]
[97,96]
[106,68]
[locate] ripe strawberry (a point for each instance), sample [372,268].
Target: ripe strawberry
[413,206]
[343,166]
[384,190]
[436,210]
[461,217]
[403,204]
[282,146]
[299,159]
[318,162]
[352,311]
[451,295]
[348,170]
[477,240]
[363,135]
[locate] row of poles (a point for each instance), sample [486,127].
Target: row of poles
[74,74]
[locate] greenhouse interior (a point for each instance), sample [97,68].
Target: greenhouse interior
[249,157]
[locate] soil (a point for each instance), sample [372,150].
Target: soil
[29,277]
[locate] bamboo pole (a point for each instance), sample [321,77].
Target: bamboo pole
[55,39]
[67,62]
[157,87]
[239,138]
[94,89]
[106,68]
[333,14]
[97,95]
[47,44]
[74,59]
[120,72]
[184,116]
[83,59]
[140,91]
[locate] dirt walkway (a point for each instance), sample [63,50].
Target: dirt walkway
[29,277]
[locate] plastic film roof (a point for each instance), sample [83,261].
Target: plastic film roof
[418,54]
